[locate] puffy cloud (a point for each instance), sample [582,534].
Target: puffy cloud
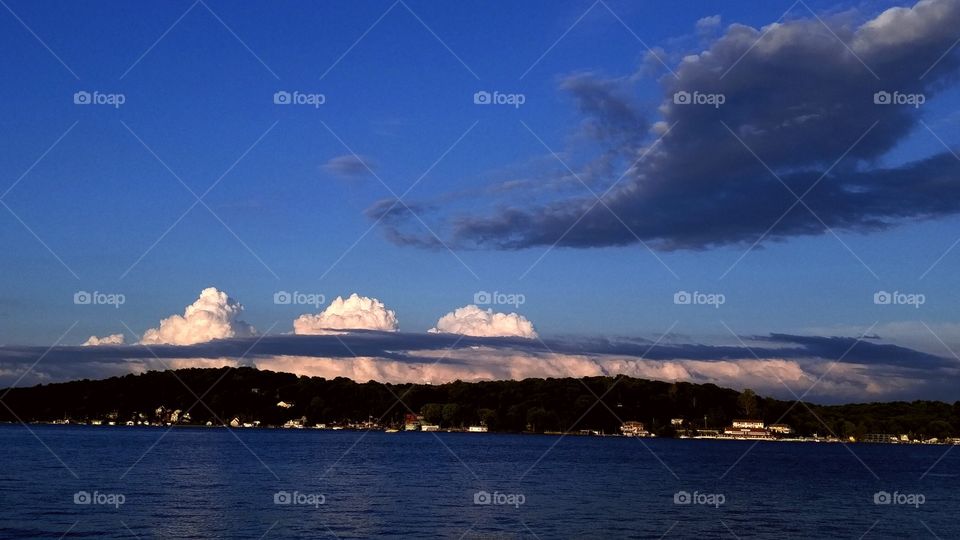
[348,166]
[354,313]
[212,316]
[784,86]
[112,339]
[473,321]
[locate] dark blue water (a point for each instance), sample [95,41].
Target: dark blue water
[214,483]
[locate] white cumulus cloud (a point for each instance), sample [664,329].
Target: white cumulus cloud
[112,339]
[473,321]
[353,313]
[212,316]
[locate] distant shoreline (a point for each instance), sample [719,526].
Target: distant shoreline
[808,440]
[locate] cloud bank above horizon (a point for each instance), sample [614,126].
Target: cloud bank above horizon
[359,337]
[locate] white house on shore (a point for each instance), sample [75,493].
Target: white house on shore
[634,429]
[780,429]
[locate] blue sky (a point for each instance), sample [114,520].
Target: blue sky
[201,96]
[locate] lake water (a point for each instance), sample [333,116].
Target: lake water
[216,483]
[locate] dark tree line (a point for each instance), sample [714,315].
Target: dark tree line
[529,405]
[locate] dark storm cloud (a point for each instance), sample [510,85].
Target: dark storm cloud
[67,362]
[794,95]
